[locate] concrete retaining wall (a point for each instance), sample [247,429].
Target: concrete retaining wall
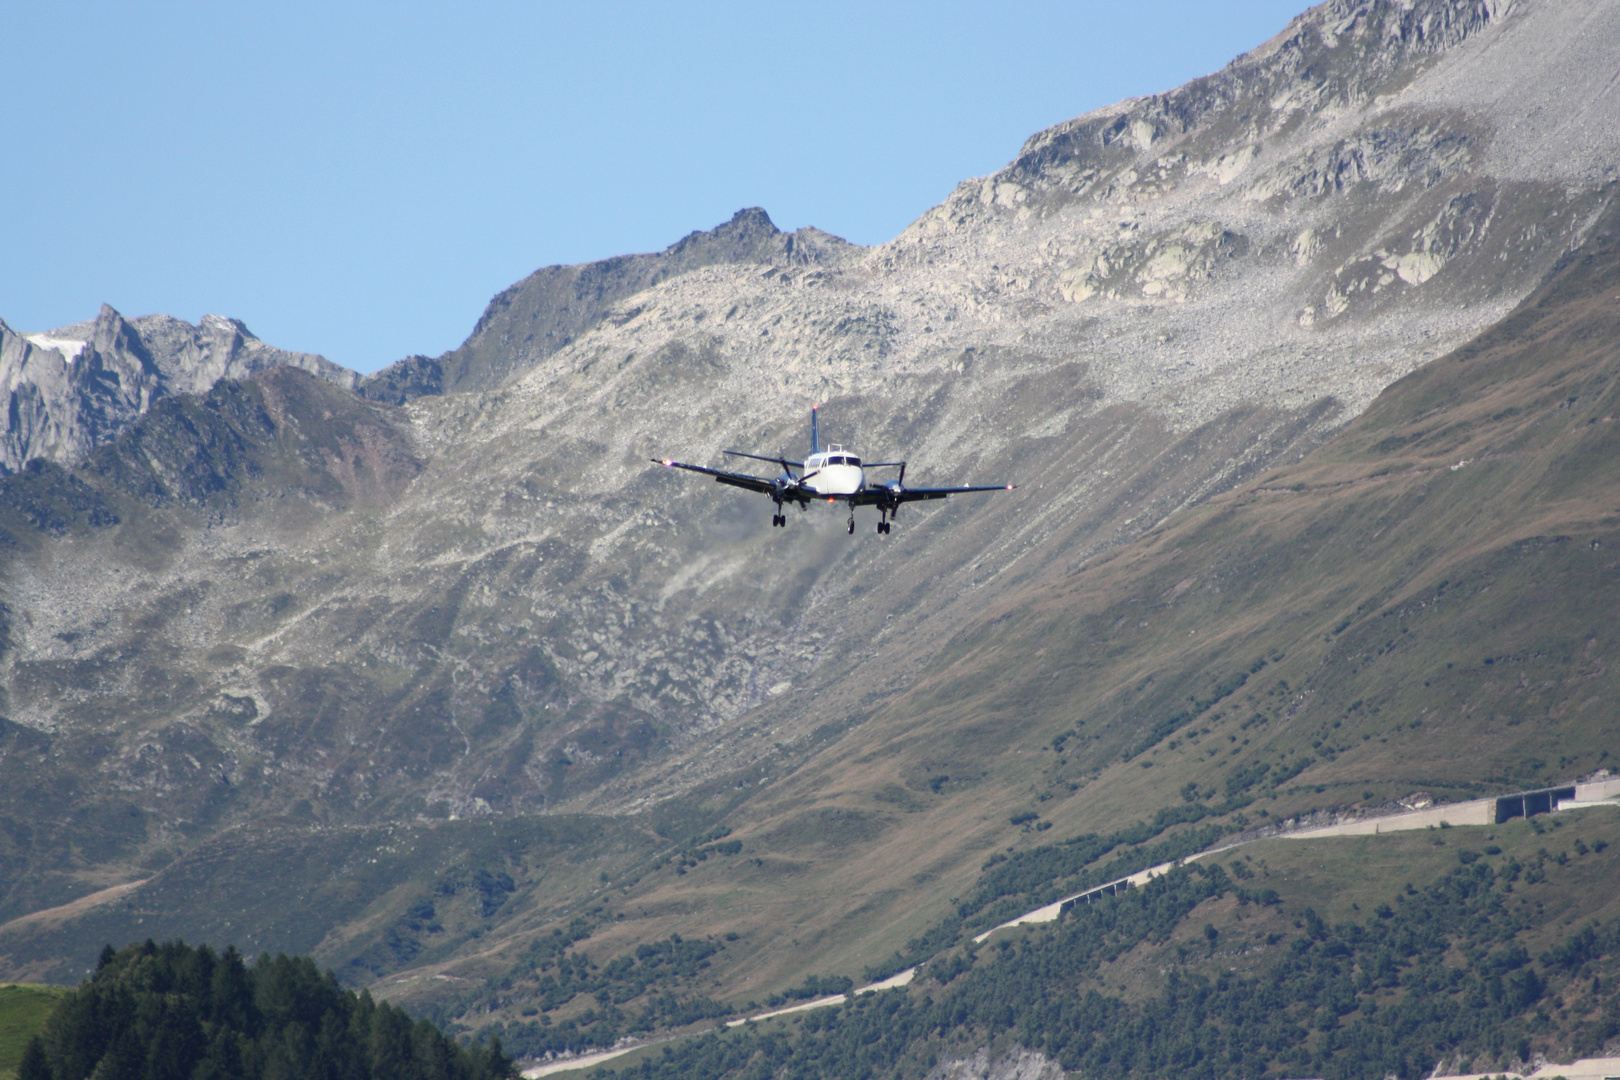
[1476,812]
[1597,790]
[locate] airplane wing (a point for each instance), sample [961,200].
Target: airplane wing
[784,462]
[742,480]
[874,495]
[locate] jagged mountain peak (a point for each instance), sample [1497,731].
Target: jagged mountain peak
[225,322]
[1328,209]
[554,306]
[746,229]
[1533,80]
[80,386]
[751,236]
[1332,58]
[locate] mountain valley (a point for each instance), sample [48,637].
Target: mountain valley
[1305,372]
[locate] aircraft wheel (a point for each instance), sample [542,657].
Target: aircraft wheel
[852,526]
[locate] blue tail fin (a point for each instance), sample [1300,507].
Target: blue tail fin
[815,436]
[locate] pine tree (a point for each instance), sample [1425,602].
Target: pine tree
[33,1065]
[173,1012]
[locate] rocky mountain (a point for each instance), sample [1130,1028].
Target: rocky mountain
[72,389]
[389,642]
[556,304]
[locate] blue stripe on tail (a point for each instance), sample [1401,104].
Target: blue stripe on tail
[815,436]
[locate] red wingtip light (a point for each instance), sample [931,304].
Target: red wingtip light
[1010,487]
[667,464]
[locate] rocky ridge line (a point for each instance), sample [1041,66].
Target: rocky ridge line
[70,390]
[555,305]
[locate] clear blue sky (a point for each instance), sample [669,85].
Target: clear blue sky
[359,179]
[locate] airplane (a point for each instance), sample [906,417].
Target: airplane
[834,474]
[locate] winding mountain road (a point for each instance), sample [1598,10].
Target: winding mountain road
[1476,812]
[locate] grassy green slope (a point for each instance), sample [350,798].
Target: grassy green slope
[368,901]
[23,1010]
[1467,949]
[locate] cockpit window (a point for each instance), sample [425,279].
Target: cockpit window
[852,461]
[835,460]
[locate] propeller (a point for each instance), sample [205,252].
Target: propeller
[788,482]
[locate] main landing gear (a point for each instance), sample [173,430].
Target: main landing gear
[779,521]
[884,524]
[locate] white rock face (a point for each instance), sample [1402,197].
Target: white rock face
[70,390]
[69,348]
[1016,1064]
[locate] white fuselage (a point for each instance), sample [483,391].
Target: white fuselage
[834,471]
